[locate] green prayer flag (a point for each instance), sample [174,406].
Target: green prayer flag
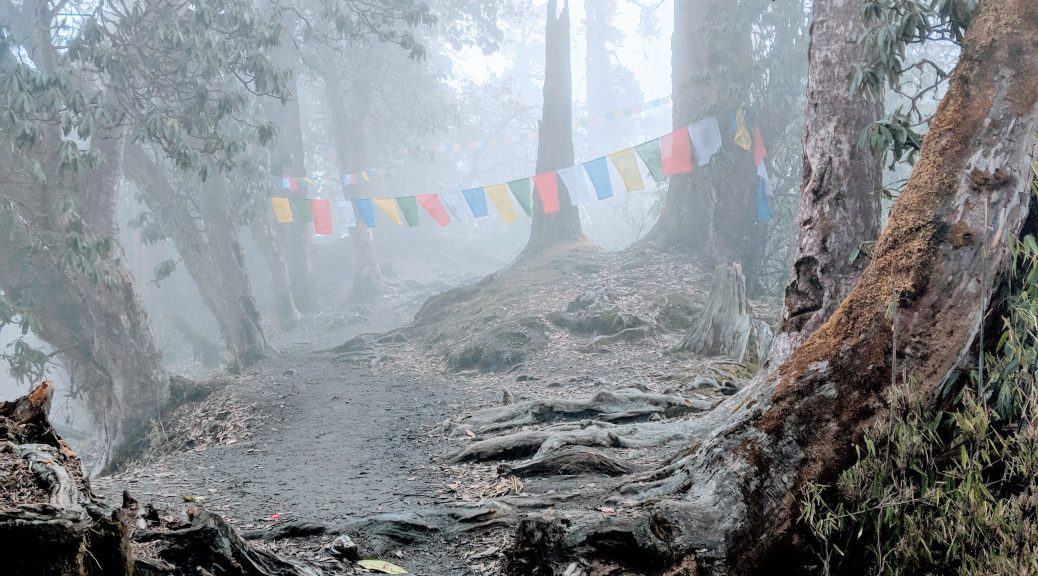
[301,209]
[409,206]
[521,191]
[649,152]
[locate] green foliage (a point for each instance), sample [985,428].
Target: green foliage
[893,136]
[949,489]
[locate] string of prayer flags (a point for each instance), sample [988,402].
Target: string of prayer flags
[676,152]
[388,206]
[434,208]
[598,171]
[456,203]
[548,191]
[502,200]
[577,185]
[321,209]
[706,139]
[477,201]
[367,211]
[764,193]
[521,192]
[282,210]
[409,207]
[742,135]
[649,152]
[626,163]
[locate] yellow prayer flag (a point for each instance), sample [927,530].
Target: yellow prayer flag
[502,199]
[388,205]
[282,209]
[742,135]
[626,162]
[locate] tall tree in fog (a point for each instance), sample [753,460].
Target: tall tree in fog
[203,219]
[839,203]
[711,212]
[555,144]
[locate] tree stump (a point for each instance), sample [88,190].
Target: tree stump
[723,329]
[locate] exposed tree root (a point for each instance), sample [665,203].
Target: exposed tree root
[569,460]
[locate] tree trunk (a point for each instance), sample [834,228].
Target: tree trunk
[265,236]
[724,327]
[736,497]
[555,144]
[208,245]
[839,204]
[711,212]
[351,151]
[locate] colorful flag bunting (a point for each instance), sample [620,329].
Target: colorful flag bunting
[548,191]
[388,206]
[321,209]
[502,200]
[742,135]
[706,139]
[598,171]
[577,185]
[456,204]
[521,192]
[676,152]
[626,163]
[477,201]
[282,209]
[433,207]
[367,211]
[409,207]
[759,151]
[650,154]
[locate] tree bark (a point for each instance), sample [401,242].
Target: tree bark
[724,327]
[839,204]
[555,144]
[265,236]
[208,245]
[735,498]
[711,212]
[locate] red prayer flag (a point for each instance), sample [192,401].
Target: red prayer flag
[321,208]
[432,205]
[676,152]
[293,184]
[548,190]
[759,151]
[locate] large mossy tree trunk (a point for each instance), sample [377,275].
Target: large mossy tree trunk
[711,212]
[207,242]
[839,203]
[555,144]
[735,498]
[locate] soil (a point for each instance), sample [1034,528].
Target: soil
[332,438]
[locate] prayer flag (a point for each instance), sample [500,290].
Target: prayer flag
[301,208]
[576,185]
[521,191]
[293,184]
[650,154]
[706,139]
[282,209]
[598,171]
[742,135]
[477,201]
[456,204]
[763,202]
[364,175]
[283,184]
[759,151]
[676,152]
[409,206]
[344,208]
[548,191]
[502,200]
[388,206]
[433,207]
[367,211]
[321,209]
[626,163]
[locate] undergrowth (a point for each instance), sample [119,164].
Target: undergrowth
[949,489]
